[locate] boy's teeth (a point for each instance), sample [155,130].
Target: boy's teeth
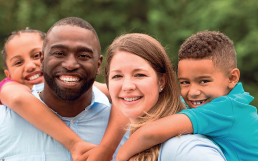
[34,77]
[132,99]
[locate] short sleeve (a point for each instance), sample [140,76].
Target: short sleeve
[213,119]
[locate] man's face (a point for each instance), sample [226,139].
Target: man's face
[71,61]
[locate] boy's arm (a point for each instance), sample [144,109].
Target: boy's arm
[18,97]
[114,133]
[155,133]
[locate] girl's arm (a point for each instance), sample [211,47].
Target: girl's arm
[154,133]
[18,97]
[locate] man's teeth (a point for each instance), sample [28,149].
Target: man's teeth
[34,77]
[132,99]
[197,102]
[69,79]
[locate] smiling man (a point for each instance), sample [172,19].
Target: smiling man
[70,61]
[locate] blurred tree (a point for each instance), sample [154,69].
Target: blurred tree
[170,21]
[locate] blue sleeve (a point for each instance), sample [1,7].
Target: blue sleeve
[213,119]
[190,147]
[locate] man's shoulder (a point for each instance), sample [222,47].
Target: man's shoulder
[189,146]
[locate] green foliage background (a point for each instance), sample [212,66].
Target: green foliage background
[169,21]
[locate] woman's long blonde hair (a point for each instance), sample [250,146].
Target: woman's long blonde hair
[169,101]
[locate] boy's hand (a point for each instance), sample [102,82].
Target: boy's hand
[80,148]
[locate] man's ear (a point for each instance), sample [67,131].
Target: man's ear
[41,54]
[6,72]
[99,64]
[162,82]
[234,76]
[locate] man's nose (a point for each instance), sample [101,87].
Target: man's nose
[70,63]
[128,85]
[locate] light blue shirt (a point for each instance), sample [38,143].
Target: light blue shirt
[190,147]
[20,141]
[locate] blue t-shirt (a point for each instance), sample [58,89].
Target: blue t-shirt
[230,122]
[20,140]
[193,147]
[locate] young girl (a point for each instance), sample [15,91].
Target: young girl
[22,67]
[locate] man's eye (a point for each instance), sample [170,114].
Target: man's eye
[59,53]
[85,56]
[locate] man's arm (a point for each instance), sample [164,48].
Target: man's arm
[18,97]
[154,133]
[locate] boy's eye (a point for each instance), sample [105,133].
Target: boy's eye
[204,81]
[184,82]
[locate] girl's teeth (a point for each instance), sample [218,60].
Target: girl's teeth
[132,99]
[34,77]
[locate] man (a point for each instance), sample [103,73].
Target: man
[70,62]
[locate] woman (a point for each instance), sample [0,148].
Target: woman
[143,86]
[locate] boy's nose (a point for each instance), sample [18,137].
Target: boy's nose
[70,63]
[128,85]
[194,92]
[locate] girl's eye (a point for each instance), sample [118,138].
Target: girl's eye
[36,56]
[17,63]
[140,75]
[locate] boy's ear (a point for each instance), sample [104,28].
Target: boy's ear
[162,82]
[234,76]
[6,72]
[41,54]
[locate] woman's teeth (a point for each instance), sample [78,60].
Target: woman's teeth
[132,99]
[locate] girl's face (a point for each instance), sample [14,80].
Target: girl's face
[23,59]
[133,84]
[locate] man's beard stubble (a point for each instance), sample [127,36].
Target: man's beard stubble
[66,95]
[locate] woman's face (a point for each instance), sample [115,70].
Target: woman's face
[133,84]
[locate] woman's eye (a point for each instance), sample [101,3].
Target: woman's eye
[116,76]
[140,75]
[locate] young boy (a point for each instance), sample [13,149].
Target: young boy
[208,76]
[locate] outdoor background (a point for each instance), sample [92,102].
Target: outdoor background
[169,21]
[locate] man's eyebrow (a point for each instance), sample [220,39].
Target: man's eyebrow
[59,46]
[83,48]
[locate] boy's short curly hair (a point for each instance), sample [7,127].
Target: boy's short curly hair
[212,45]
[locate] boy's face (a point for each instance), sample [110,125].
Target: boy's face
[201,82]
[23,59]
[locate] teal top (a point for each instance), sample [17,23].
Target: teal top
[230,122]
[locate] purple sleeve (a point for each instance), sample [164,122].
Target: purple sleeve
[2,84]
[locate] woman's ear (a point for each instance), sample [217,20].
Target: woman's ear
[234,76]
[162,82]
[6,72]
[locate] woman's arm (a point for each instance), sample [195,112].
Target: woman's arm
[18,97]
[154,133]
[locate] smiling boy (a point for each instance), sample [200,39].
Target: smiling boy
[208,76]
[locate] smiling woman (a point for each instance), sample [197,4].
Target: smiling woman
[143,86]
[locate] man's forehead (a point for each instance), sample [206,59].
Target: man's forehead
[60,34]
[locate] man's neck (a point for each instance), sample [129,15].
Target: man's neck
[65,108]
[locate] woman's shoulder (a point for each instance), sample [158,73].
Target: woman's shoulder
[190,147]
